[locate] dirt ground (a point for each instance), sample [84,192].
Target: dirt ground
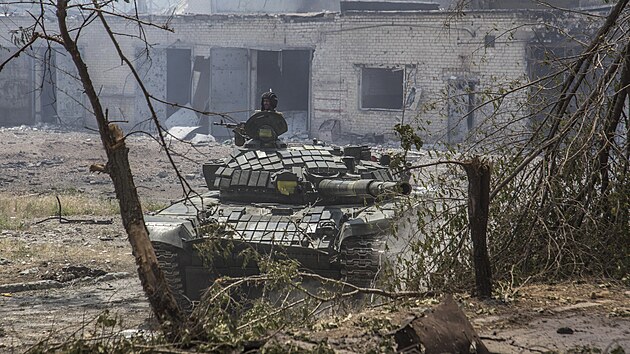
[81,256]
[49,158]
[56,278]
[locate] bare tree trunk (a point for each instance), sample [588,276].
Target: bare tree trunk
[478,173]
[160,297]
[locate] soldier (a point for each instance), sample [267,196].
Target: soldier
[268,101]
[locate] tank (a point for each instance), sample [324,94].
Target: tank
[329,208]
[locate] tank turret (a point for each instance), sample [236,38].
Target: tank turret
[265,170]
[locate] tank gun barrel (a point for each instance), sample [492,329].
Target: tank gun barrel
[362,188]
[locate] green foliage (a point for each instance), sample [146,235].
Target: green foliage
[237,311]
[408,137]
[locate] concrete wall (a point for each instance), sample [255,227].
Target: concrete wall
[16,90]
[431,53]
[534,4]
[420,41]
[260,6]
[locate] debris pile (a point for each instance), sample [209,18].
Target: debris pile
[184,125]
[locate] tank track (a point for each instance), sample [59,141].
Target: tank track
[168,259]
[361,260]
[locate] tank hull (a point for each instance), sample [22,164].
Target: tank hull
[323,240]
[201,272]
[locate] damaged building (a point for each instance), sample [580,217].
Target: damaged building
[338,67]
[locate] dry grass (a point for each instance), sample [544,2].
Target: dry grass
[52,256]
[15,210]
[51,246]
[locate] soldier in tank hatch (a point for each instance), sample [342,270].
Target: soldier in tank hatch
[268,102]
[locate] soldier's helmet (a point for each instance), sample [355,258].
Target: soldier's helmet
[273,101]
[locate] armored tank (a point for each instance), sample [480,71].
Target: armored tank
[329,208]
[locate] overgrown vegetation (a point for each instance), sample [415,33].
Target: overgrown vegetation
[560,202]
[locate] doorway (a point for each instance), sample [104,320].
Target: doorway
[287,73]
[178,78]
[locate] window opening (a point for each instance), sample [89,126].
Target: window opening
[382,88]
[489,41]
